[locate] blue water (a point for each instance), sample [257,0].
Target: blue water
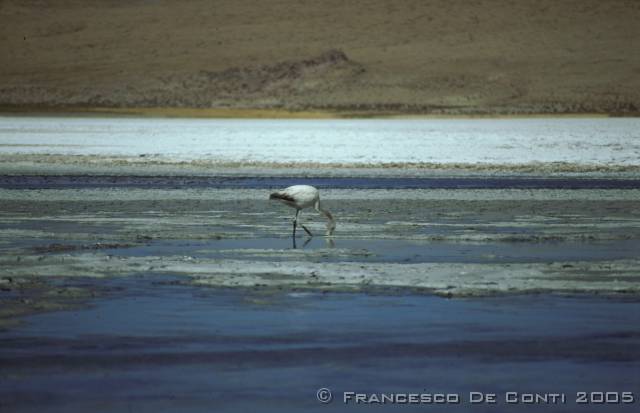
[152,345]
[183,182]
[400,251]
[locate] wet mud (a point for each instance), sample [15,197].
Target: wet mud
[454,242]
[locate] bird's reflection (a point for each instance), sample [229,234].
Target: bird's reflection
[329,242]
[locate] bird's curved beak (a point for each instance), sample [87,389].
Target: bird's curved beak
[330,228]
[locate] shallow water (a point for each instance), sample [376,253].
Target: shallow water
[387,230]
[182,182]
[402,251]
[156,346]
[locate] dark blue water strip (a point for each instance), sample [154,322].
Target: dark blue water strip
[184,182]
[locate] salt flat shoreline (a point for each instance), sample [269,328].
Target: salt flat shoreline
[258,113]
[127,146]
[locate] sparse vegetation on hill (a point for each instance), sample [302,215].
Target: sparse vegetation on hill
[373,56]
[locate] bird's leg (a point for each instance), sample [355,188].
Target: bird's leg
[306,230]
[295,223]
[330,243]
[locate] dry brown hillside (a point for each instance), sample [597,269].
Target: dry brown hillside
[455,56]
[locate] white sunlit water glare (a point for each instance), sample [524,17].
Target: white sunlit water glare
[591,141]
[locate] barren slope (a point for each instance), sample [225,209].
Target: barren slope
[410,56]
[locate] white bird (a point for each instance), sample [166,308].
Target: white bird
[301,197]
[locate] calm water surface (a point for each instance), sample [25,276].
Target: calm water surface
[156,346]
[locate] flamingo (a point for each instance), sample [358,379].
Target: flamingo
[301,197]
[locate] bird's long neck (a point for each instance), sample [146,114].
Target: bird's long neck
[331,224]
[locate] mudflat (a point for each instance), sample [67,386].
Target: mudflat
[451,242]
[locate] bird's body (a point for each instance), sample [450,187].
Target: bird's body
[300,197]
[297,196]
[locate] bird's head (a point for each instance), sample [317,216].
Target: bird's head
[331,226]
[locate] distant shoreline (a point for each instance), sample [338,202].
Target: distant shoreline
[60,164]
[249,113]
